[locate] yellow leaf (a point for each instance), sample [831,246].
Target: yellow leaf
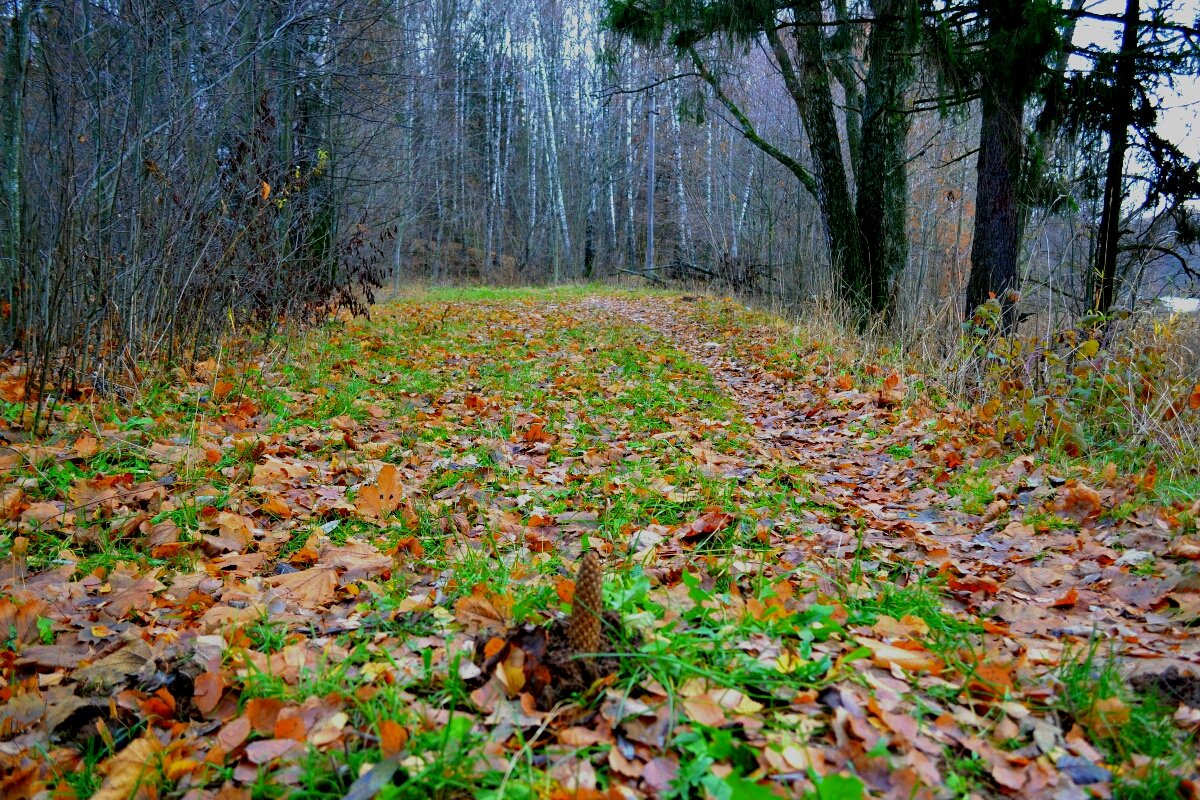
[131,772]
[175,770]
[1089,349]
[511,672]
[265,190]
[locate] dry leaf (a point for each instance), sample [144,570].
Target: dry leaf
[133,772]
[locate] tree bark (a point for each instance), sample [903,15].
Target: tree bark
[12,106]
[995,269]
[809,86]
[1124,85]
[882,198]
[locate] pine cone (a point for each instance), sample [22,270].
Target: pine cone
[583,629]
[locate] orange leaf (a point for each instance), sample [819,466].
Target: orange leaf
[565,588]
[973,583]
[1106,716]
[392,737]
[494,645]
[276,507]
[1067,600]
[537,433]
[290,728]
[308,587]
[262,713]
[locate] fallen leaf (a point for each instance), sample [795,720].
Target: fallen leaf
[133,772]
[310,588]
[267,750]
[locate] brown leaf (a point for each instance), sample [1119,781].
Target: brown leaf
[65,656]
[706,524]
[234,534]
[1079,502]
[1106,716]
[274,470]
[1185,547]
[309,587]
[1067,599]
[267,750]
[888,656]
[234,733]
[208,689]
[660,773]
[11,498]
[703,708]
[44,516]
[537,433]
[276,506]
[291,727]
[262,713]
[20,621]
[356,560]
[116,669]
[131,773]
[483,610]
[383,497]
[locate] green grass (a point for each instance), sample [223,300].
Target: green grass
[1125,723]
[626,410]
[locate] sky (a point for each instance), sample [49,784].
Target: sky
[1180,105]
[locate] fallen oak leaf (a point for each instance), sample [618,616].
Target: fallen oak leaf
[708,523]
[703,708]
[1079,501]
[274,470]
[972,584]
[328,730]
[11,498]
[1106,716]
[483,610]
[18,622]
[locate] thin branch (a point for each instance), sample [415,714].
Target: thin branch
[616,90]
[805,177]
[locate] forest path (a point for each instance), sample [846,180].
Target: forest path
[895,491]
[822,575]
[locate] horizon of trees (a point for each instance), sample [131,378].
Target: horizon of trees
[169,167]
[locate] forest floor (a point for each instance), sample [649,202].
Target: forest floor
[327,571]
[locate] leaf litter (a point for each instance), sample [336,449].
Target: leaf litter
[346,573]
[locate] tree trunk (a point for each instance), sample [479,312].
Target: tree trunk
[12,106]
[1121,105]
[810,89]
[882,198]
[995,269]
[651,124]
